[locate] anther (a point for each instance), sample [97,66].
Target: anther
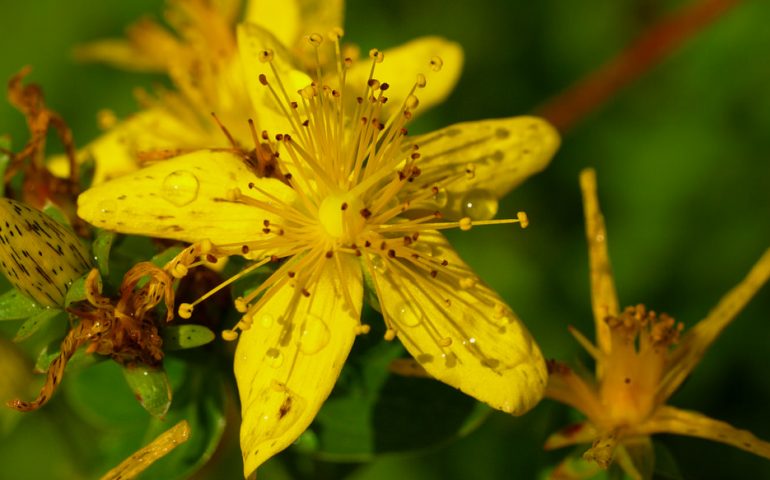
[445,342]
[185,310]
[421,81]
[265,56]
[363,329]
[412,102]
[376,55]
[262,79]
[179,270]
[229,335]
[470,171]
[390,334]
[315,39]
[436,63]
[241,305]
[465,223]
[523,219]
[335,34]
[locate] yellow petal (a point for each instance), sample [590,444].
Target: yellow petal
[253,42]
[146,456]
[185,198]
[500,154]
[290,20]
[288,361]
[462,334]
[116,152]
[40,257]
[401,66]
[684,422]
[604,298]
[699,338]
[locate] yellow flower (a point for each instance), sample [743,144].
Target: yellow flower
[353,200]
[200,56]
[641,359]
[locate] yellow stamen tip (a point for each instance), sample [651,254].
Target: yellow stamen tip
[466,223]
[421,81]
[363,329]
[376,55]
[241,305]
[436,63]
[412,102]
[315,39]
[335,34]
[445,342]
[266,56]
[179,270]
[390,334]
[229,335]
[185,310]
[523,219]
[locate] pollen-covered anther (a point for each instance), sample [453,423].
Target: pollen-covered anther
[390,334]
[229,335]
[266,55]
[436,63]
[421,81]
[412,102]
[179,270]
[185,310]
[335,34]
[376,55]
[241,305]
[363,329]
[445,342]
[523,219]
[470,171]
[315,39]
[465,223]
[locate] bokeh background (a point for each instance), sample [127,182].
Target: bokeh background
[684,180]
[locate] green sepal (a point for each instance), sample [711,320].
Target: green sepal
[101,250]
[161,259]
[57,214]
[151,387]
[76,291]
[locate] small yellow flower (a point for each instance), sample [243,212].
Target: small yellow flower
[641,359]
[354,199]
[200,56]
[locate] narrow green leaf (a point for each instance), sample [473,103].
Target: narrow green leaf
[79,360]
[151,387]
[35,323]
[186,336]
[101,250]
[14,305]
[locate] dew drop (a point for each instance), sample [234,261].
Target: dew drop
[315,335]
[450,359]
[379,264]
[108,207]
[406,315]
[441,197]
[423,248]
[479,204]
[266,320]
[274,357]
[280,408]
[180,187]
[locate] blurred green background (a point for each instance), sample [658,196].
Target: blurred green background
[684,180]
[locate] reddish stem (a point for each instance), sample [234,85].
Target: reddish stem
[652,47]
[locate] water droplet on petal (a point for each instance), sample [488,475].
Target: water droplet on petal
[423,248]
[406,315]
[315,335]
[108,207]
[274,357]
[479,204]
[441,197]
[279,409]
[380,264]
[180,187]
[450,359]
[266,320]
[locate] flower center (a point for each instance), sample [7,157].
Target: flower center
[340,216]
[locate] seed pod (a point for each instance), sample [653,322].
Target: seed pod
[40,257]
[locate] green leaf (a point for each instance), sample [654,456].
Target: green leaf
[76,291]
[15,305]
[151,387]
[186,336]
[35,323]
[166,255]
[79,359]
[101,250]
[372,411]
